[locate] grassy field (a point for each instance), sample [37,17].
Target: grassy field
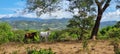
[69,47]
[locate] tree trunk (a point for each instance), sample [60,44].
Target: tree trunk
[96,26]
[101,9]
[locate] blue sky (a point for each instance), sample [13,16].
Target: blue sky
[9,6]
[15,7]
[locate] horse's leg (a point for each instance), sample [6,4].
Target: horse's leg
[25,40]
[41,38]
[45,39]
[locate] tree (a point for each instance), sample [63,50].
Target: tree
[5,32]
[81,25]
[47,6]
[101,5]
[5,28]
[42,6]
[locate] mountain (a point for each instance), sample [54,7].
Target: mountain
[35,23]
[41,24]
[107,23]
[19,19]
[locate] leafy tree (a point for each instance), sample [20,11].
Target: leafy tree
[42,6]
[4,27]
[80,26]
[47,6]
[5,32]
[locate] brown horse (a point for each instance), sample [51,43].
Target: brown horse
[30,35]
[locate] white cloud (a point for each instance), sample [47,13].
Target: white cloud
[29,15]
[2,15]
[56,15]
[111,16]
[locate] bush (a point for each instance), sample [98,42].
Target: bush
[18,35]
[109,32]
[115,43]
[36,38]
[61,36]
[41,51]
[64,36]
[54,36]
[114,33]
[6,33]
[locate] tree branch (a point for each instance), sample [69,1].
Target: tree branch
[102,2]
[106,5]
[98,3]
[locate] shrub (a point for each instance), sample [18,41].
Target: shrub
[55,35]
[115,43]
[110,32]
[18,35]
[114,33]
[6,34]
[36,38]
[41,51]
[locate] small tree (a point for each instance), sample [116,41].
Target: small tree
[81,25]
[5,32]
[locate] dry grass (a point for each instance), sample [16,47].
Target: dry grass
[70,47]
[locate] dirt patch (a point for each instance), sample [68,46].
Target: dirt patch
[98,47]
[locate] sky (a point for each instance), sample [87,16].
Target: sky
[14,8]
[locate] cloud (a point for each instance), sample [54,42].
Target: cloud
[7,15]
[55,15]
[111,16]
[2,15]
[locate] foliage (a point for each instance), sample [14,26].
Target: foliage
[103,31]
[54,36]
[113,33]
[110,32]
[37,38]
[18,35]
[44,6]
[117,25]
[6,33]
[115,43]
[41,51]
[80,26]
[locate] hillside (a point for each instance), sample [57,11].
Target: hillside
[36,23]
[42,24]
[107,23]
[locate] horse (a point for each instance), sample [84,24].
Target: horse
[30,35]
[45,35]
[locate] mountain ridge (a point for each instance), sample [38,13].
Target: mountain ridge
[52,23]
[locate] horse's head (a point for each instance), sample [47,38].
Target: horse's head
[34,33]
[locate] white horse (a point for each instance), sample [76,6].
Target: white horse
[45,35]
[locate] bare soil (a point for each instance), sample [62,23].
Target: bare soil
[70,47]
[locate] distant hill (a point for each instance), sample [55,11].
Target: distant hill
[20,19]
[41,24]
[36,23]
[107,23]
